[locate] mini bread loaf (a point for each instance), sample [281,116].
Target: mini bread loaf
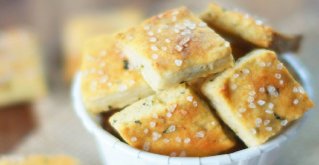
[21,71]
[39,160]
[81,28]
[173,122]
[258,97]
[234,25]
[174,47]
[108,81]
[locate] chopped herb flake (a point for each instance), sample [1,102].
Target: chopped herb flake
[137,122]
[125,64]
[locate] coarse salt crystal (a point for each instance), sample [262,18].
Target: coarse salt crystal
[195,104]
[269,129]
[261,102]
[169,114]
[246,71]
[189,98]
[133,139]
[280,66]
[178,62]
[187,140]
[154,56]
[269,111]
[242,110]
[251,105]
[171,129]
[178,139]
[166,140]
[266,122]
[278,76]
[154,48]
[236,75]
[250,99]
[152,124]
[200,134]
[156,136]
[271,105]
[261,89]
[178,48]
[284,122]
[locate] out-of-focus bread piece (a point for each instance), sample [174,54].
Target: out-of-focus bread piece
[174,122]
[108,81]
[174,47]
[258,97]
[21,72]
[39,160]
[78,30]
[242,29]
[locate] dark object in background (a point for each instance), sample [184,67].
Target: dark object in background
[16,122]
[105,122]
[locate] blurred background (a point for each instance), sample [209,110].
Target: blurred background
[40,45]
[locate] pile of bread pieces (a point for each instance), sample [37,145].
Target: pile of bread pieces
[177,90]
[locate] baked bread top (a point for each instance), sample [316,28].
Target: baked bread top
[234,25]
[173,122]
[108,81]
[173,47]
[258,97]
[79,29]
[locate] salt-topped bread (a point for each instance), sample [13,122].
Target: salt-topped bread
[174,47]
[258,97]
[241,25]
[78,29]
[108,81]
[173,122]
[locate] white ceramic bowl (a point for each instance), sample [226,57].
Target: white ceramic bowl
[115,152]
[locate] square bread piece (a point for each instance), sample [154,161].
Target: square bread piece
[81,28]
[21,72]
[175,46]
[108,81]
[241,25]
[258,97]
[174,122]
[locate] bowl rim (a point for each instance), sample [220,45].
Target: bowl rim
[248,153]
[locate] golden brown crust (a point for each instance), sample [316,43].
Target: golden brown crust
[21,71]
[108,81]
[175,46]
[258,97]
[241,29]
[174,122]
[238,24]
